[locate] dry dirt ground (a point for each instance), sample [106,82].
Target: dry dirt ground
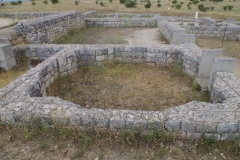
[149,36]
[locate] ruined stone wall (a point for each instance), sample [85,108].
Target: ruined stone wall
[175,33]
[25,97]
[231,33]
[128,15]
[90,14]
[26,15]
[121,22]
[224,86]
[48,28]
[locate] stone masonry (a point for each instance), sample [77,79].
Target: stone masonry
[25,98]
[47,29]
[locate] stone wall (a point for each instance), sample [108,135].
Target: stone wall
[26,15]
[25,97]
[175,33]
[121,22]
[211,28]
[90,14]
[7,59]
[48,28]
[224,86]
[128,15]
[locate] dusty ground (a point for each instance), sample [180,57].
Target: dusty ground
[146,36]
[103,35]
[4,22]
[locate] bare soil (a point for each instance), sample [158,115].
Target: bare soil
[118,35]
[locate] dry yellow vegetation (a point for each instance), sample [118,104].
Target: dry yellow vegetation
[115,6]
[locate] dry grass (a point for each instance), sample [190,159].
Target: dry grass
[126,86]
[95,35]
[43,142]
[17,71]
[115,6]
[231,48]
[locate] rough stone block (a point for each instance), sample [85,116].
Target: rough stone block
[230,136]
[213,136]
[206,128]
[6,55]
[172,125]
[187,38]
[176,35]
[100,58]
[207,60]
[117,123]
[193,135]
[8,117]
[189,126]
[221,65]
[227,127]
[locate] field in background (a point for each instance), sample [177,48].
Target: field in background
[115,6]
[231,48]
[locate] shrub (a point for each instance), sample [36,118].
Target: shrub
[178,6]
[76,2]
[130,4]
[13,3]
[110,1]
[172,6]
[195,2]
[181,2]
[19,2]
[45,2]
[202,8]
[96,2]
[158,1]
[148,5]
[33,3]
[159,5]
[122,1]
[189,7]
[101,4]
[212,8]
[225,8]
[174,1]
[230,8]
[54,1]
